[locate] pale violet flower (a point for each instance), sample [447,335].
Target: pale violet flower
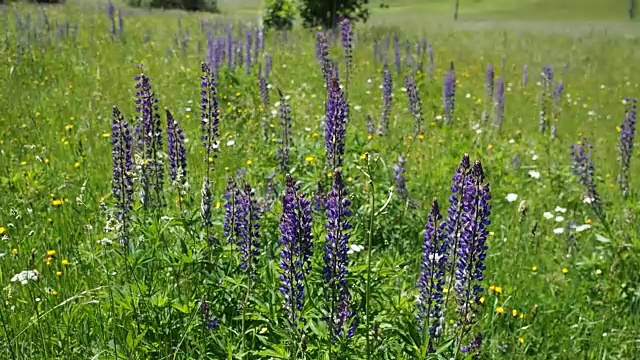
[558,230]
[547,215]
[534,174]
[511,197]
[559,218]
[560,209]
[583,227]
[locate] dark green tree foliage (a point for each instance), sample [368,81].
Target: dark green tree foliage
[279,14]
[328,13]
[191,5]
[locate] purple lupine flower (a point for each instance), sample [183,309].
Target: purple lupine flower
[625,149]
[264,90]
[387,97]
[337,115]
[499,103]
[582,166]
[471,251]
[229,223]
[322,54]
[257,41]
[319,197]
[489,83]
[149,139]
[415,104]
[399,180]
[346,32]
[336,257]
[247,229]
[247,53]
[267,65]
[120,24]
[176,151]
[452,225]
[431,61]
[229,43]
[210,116]
[122,183]
[296,249]
[431,280]
[556,100]
[111,12]
[449,95]
[396,53]
[525,75]
[474,347]
[285,134]
[547,78]
[209,321]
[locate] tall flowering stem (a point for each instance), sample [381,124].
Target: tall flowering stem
[229,225]
[285,134]
[149,139]
[625,149]
[396,53]
[322,54]
[472,249]
[545,93]
[387,97]
[209,123]
[582,167]
[431,61]
[264,96]
[247,53]
[415,105]
[525,75]
[399,169]
[336,259]
[498,111]
[335,125]
[176,151]
[295,255]
[122,183]
[346,32]
[431,280]
[449,95]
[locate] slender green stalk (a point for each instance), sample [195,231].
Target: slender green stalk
[368,287]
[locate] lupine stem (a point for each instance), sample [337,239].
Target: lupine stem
[369,241]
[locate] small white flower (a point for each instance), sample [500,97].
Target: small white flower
[511,197]
[479,131]
[583,227]
[354,248]
[534,174]
[231,143]
[535,157]
[37,299]
[587,200]
[284,66]
[25,276]
[269,86]
[403,89]
[560,209]
[558,230]
[439,117]
[591,113]
[511,141]
[357,108]
[105,242]
[538,83]
[187,109]
[508,88]
[274,112]
[369,81]
[602,86]
[468,96]
[547,215]
[559,218]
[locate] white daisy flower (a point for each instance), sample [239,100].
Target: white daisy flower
[547,215]
[560,209]
[511,197]
[354,248]
[558,230]
[534,174]
[559,218]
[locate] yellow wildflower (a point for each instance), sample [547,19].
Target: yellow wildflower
[46,161]
[217,204]
[369,137]
[498,290]
[76,165]
[53,292]
[14,251]
[106,134]
[565,270]
[58,273]
[482,300]
[514,312]
[521,340]
[68,127]
[309,159]
[57,202]
[2,230]
[51,252]
[534,268]
[490,147]
[421,137]
[588,221]
[249,162]
[363,156]
[330,174]
[315,134]
[65,262]
[499,310]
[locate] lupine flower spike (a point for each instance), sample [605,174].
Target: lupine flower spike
[122,183]
[625,149]
[387,97]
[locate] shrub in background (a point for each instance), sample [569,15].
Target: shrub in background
[279,14]
[191,5]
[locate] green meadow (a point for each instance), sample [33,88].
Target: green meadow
[562,277]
